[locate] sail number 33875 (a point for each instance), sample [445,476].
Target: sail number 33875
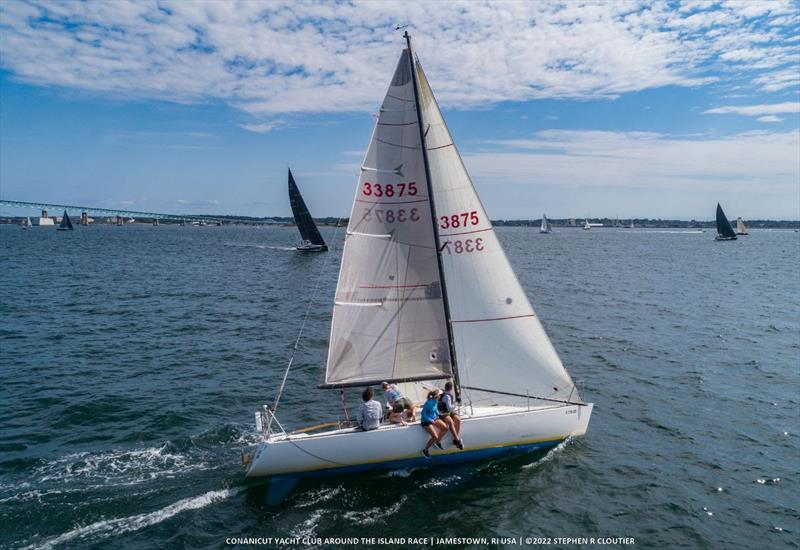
[389,189]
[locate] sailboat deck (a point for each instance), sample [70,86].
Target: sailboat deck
[476,412]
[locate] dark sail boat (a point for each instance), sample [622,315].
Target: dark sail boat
[312,240]
[66,224]
[724,230]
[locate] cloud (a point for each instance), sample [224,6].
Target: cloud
[741,163]
[769,118]
[273,59]
[757,110]
[262,127]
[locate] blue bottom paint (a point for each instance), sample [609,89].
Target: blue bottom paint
[435,460]
[279,486]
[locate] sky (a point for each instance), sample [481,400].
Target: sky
[576,109]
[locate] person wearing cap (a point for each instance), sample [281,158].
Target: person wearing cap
[431,422]
[398,404]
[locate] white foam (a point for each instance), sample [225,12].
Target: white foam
[118,467]
[374,515]
[118,526]
[307,528]
[551,454]
[323,495]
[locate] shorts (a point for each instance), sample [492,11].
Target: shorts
[425,424]
[446,414]
[398,407]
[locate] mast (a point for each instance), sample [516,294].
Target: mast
[435,222]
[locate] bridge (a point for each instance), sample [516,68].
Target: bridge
[116,212]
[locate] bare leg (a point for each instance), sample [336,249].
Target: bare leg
[412,410]
[451,424]
[442,428]
[434,436]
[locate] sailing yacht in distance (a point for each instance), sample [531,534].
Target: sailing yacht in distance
[741,228]
[724,229]
[66,223]
[425,293]
[545,225]
[312,240]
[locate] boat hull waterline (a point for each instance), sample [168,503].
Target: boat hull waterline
[485,435]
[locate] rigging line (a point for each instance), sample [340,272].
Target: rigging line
[311,302]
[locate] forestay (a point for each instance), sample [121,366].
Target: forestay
[388,317]
[500,344]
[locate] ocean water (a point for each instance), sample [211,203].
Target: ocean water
[132,359]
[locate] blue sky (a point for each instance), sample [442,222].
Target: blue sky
[575,109]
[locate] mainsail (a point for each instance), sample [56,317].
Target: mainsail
[389,315]
[65,222]
[724,228]
[302,217]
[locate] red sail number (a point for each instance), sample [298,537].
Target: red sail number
[391,216]
[463,219]
[466,246]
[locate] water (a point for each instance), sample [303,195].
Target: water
[132,359]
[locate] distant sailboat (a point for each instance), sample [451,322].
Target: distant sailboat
[724,229]
[586,225]
[26,223]
[632,226]
[741,228]
[545,225]
[66,224]
[312,240]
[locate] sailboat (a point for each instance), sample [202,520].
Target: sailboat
[26,223]
[66,224]
[545,225]
[425,294]
[741,228]
[724,229]
[312,240]
[586,225]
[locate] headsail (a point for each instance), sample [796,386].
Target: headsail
[724,228]
[500,344]
[302,217]
[388,317]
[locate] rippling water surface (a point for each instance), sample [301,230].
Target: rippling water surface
[132,359]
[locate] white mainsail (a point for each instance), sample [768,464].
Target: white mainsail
[500,344]
[388,317]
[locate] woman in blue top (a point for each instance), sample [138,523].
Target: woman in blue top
[431,423]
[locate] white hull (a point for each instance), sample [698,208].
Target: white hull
[489,432]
